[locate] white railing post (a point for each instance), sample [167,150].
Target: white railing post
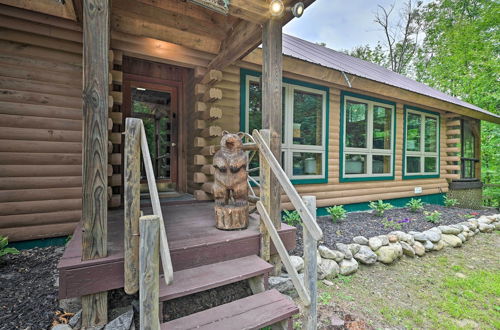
[149,268]
[310,272]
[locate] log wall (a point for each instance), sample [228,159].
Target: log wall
[40,125]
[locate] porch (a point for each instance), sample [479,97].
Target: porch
[193,241]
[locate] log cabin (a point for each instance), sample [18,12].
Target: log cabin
[344,130]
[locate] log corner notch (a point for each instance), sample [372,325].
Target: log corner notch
[96,33]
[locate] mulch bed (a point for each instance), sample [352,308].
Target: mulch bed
[28,291]
[368,224]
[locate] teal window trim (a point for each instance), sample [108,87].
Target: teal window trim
[422,176]
[243,96]
[343,94]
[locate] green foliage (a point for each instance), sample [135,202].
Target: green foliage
[344,279]
[433,217]
[291,218]
[4,250]
[374,55]
[390,224]
[415,205]
[325,298]
[380,207]
[337,212]
[450,202]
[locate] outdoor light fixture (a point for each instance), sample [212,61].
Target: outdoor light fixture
[298,9]
[276,7]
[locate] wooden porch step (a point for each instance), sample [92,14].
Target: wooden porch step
[211,276]
[253,312]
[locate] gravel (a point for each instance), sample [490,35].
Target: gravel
[368,225]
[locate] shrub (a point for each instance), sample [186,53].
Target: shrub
[4,250]
[389,223]
[291,218]
[434,217]
[380,207]
[337,212]
[415,205]
[450,202]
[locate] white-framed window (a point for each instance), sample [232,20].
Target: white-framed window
[304,127]
[421,143]
[367,138]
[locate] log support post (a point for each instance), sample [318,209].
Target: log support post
[310,273]
[95,148]
[272,81]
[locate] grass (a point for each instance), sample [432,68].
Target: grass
[450,289]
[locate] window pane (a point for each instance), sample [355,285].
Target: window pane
[468,141]
[306,163]
[413,164]
[254,106]
[413,132]
[430,164]
[382,127]
[307,118]
[356,124]
[355,164]
[381,164]
[430,134]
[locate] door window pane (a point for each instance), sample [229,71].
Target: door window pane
[413,132]
[355,164]
[381,164]
[382,127]
[430,164]
[306,163]
[254,106]
[413,164]
[468,141]
[430,134]
[356,124]
[307,118]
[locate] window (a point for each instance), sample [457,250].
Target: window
[469,154]
[304,126]
[367,138]
[421,153]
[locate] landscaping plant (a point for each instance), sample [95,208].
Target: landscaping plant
[4,250]
[415,205]
[388,223]
[433,217]
[291,218]
[450,202]
[325,298]
[380,207]
[337,212]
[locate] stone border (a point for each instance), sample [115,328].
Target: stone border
[388,248]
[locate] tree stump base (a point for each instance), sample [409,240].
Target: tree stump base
[231,217]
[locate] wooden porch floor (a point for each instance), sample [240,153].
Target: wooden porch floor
[193,240]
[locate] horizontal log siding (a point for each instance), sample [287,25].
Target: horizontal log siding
[40,126]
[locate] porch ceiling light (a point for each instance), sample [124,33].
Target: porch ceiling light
[298,9]
[276,7]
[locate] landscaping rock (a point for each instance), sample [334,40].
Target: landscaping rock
[485,227]
[327,283]
[366,256]
[75,321]
[384,239]
[449,230]
[318,257]
[344,249]
[348,266]
[485,219]
[297,263]
[330,254]
[361,240]
[462,237]
[438,245]
[386,254]
[61,327]
[432,235]
[497,225]
[428,246]
[436,229]
[354,248]
[328,268]
[392,238]
[407,249]
[122,322]
[473,222]
[420,237]
[402,236]
[374,243]
[282,284]
[419,249]
[451,240]
[398,248]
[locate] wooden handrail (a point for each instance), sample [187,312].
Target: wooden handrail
[306,216]
[285,258]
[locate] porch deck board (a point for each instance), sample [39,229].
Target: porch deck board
[193,241]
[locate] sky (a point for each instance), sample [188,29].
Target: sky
[342,24]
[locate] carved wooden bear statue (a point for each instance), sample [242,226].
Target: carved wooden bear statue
[230,183]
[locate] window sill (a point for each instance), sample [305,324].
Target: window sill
[368,178]
[420,176]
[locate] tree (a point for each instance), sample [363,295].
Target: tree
[374,55]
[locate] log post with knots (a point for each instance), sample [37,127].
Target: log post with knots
[230,183]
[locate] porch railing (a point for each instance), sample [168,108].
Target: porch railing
[312,232]
[144,235]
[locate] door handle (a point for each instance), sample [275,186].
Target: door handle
[173,144]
